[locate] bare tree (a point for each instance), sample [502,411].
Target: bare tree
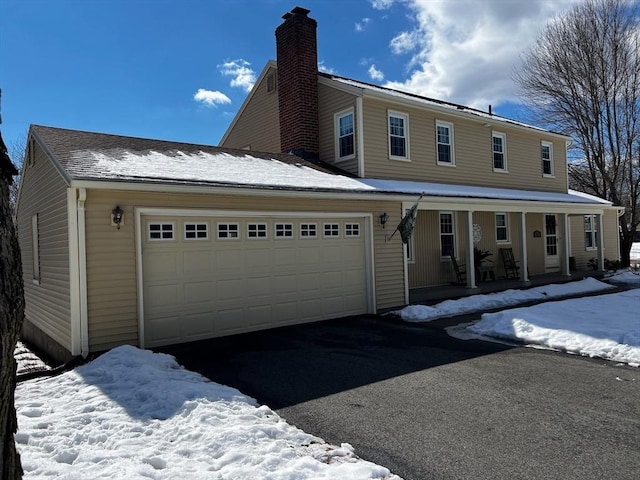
[11,316]
[582,78]
[16,150]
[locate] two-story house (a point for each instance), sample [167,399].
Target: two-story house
[147,242]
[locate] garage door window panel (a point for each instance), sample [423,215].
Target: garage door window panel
[228,231]
[284,230]
[331,230]
[196,231]
[256,230]
[352,230]
[308,230]
[158,231]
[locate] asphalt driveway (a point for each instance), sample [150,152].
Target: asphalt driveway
[428,406]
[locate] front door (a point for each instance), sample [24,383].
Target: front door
[552,259]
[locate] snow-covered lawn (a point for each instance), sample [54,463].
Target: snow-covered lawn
[27,361]
[135,414]
[604,326]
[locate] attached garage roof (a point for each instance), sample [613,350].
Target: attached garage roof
[115,158]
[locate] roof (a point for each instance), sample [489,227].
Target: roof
[115,158]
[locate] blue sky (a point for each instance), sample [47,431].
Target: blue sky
[135,67]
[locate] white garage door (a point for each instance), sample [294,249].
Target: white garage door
[206,277]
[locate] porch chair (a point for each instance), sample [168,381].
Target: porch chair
[461,274]
[511,265]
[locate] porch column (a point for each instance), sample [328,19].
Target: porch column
[471,271]
[524,271]
[600,238]
[564,225]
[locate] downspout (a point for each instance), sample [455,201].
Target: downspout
[82,274]
[360,136]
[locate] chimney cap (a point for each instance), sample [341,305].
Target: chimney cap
[296,11]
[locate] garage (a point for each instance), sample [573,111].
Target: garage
[207,276]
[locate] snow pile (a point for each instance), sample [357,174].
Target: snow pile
[27,361]
[135,414]
[489,301]
[606,326]
[626,277]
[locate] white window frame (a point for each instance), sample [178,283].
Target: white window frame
[549,145]
[503,138]
[405,136]
[592,232]
[444,256]
[452,156]
[224,231]
[308,230]
[196,230]
[35,249]
[338,137]
[330,230]
[283,231]
[504,227]
[257,231]
[351,230]
[162,231]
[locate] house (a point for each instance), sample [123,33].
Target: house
[147,242]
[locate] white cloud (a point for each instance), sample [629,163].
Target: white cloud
[375,74]
[362,24]
[211,98]
[382,4]
[323,68]
[465,51]
[243,76]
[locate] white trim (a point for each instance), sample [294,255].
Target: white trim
[405,117]
[82,264]
[336,134]
[74,271]
[503,136]
[35,250]
[452,154]
[360,136]
[369,243]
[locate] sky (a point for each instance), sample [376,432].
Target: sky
[133,413]
[180,70]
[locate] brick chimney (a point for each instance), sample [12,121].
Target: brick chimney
[297,57]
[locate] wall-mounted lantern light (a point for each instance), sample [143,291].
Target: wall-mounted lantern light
[117,217]
[383,219]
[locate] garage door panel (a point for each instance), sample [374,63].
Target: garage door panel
[197,289]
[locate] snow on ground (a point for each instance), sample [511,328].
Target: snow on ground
[27,361]
[135,414]
[489,301]
[626,277]
[604,326]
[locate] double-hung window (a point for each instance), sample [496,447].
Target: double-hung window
[447,234]
[398,136]
[547,159]
[499,147]
[345,136]
[444,143]
[590,232]
[502,228]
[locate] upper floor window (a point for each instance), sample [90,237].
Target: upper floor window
[398,136]
[444,143]
[345,136]
[499,147]
[447,234]
[547,159]
[590,232]
[502,228]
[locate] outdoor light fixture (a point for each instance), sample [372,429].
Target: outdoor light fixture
[117,215]
[383,219]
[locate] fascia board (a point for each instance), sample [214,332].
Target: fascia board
[352,89]
[61,170]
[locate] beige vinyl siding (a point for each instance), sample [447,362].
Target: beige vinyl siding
[111,261]
[582,254]
[330,102]
[257,127]
[472,148]
[44,193]
[536,246]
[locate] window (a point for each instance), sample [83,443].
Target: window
[228,231]
[444,143]
[352,230]
[398,136]
[256,230]
[499,144]
[447,236]
[308,230]
[35,245]
[547,159]
[284,230]
[590,232]
[331,230]
[160,231]
[502,228]
[345,137]
[196,231]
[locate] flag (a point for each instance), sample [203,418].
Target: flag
[408,222]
